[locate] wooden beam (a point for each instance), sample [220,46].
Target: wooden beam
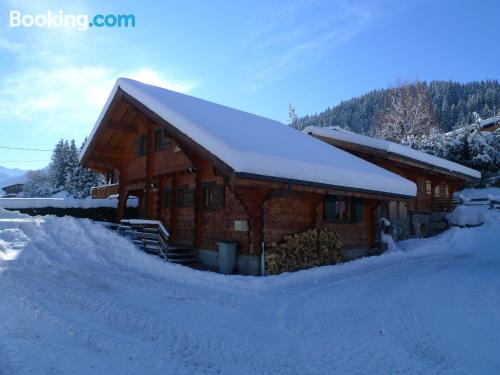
[130,129]
[122,196]
[180,136]
[115,152]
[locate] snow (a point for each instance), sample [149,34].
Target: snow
[475,209]
[335,132]
[256,145]
[77,298]
[491,193]
[472,215]
[144,221]
[22,203]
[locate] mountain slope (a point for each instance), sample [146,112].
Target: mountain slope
[8,173]
[453,103]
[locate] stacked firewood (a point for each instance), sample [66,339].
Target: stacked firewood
[313,247]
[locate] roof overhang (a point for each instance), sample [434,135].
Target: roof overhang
[391,156]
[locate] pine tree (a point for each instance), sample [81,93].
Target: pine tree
[58,165]
[81,179]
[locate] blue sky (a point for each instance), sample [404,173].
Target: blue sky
[254,55]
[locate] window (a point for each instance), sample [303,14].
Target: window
[446,191]
[185,196]
[213,196]
[162,141]
[402,211]
[167,197]
[343,209]
[142,146]
[436,191]
[428,187]
[393,210]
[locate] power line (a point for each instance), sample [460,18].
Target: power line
[23,161]
[25,149]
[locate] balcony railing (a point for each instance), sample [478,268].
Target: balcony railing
[104,191]
[443,204]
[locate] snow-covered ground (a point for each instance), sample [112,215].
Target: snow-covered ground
[78,299]
[23,203]
[472,211]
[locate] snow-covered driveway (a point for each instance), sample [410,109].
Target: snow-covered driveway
[77,299]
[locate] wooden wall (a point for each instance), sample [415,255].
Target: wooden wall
[270,212]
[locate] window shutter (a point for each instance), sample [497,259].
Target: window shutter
[138,148]
[167,196]
[218,196]
[180,197]
[329,214]
[358,210]
[189,197]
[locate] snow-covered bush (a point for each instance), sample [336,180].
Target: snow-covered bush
[473,148]
[39,185]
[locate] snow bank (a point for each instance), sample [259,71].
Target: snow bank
[24,203]
[335,132]
[492,193]
[472,215]
[256,145]
[78,298]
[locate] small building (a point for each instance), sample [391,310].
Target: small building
[490,124]
[436,178]
[13,190]
[486,126]
[212,173]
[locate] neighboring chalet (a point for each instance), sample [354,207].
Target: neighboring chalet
[488,125]
[212,173]
[436,178]
[12,191]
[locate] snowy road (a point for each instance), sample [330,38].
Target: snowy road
[78,299]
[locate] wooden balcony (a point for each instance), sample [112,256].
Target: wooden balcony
[104,191]
[443,204]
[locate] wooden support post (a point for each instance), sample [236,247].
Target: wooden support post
[173,208]
[149,171]
[122,197]
[161,197]
[198,223]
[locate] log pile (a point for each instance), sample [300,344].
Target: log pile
[311,248]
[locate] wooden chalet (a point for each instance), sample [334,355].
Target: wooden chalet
[13,190]
[436,178]
[211,173]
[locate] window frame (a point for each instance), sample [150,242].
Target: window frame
[161,140]
[184,192]
[355,209]
[142,146]
[428,187]
[207,199]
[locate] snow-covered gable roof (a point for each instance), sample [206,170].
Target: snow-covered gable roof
[255,145]
[337,133]
[486,122]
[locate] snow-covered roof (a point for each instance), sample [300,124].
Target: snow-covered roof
[255,145]
[337,133]
[25,203]
[489,121]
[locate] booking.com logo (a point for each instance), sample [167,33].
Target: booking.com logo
[79,22]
